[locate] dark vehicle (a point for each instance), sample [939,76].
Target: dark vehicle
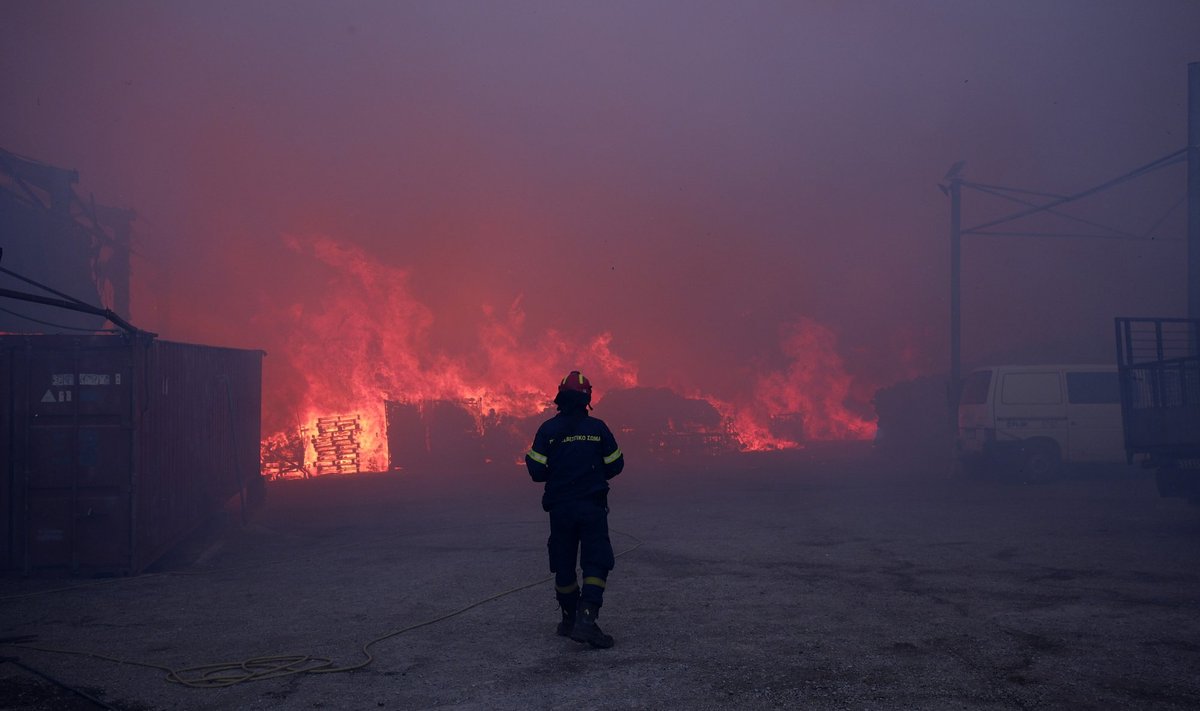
[1158,364]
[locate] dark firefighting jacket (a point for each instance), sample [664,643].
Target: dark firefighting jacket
[575,455]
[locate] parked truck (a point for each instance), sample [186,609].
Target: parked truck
[1158,366]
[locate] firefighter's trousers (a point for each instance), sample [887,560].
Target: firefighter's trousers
[579,534]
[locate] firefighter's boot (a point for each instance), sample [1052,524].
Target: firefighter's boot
[567,605]
[586,629]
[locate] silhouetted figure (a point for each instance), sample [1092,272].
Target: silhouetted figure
[575,455]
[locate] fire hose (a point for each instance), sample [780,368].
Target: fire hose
[223,674]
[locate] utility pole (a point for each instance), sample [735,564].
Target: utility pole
[1048,203]
[1193,192]
[955,193]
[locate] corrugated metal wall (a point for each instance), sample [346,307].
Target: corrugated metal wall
[117,448]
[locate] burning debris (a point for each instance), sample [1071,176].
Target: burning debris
[283,455]
[335,449]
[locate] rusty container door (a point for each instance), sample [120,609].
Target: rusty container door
[71,444]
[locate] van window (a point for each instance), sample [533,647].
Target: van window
[1030,389]
[1093,388]
[975,387]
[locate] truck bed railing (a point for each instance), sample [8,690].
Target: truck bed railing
[1158,365]
[1153,340]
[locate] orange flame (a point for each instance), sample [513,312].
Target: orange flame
[814,388]
[367,340]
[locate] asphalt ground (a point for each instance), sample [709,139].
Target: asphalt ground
[828,579]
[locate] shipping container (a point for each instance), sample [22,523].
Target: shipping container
[117,447]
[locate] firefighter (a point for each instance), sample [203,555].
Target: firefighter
[575,455]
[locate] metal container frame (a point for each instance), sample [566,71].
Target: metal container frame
[117,447]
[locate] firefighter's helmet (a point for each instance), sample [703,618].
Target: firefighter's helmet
[576,382]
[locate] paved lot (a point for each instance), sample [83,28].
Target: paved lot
[829,580]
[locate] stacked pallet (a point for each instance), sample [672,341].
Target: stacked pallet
[336,444]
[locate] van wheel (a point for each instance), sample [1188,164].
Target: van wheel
[1040,462]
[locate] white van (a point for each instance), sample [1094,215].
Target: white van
[1037,417]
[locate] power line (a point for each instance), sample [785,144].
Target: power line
[1170,210]
[1176,157]
[57,325]
[985,187]
[1124,238]
[1052,211]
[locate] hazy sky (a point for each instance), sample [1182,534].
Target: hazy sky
[693,178]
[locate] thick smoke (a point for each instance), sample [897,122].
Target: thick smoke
[736,202]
